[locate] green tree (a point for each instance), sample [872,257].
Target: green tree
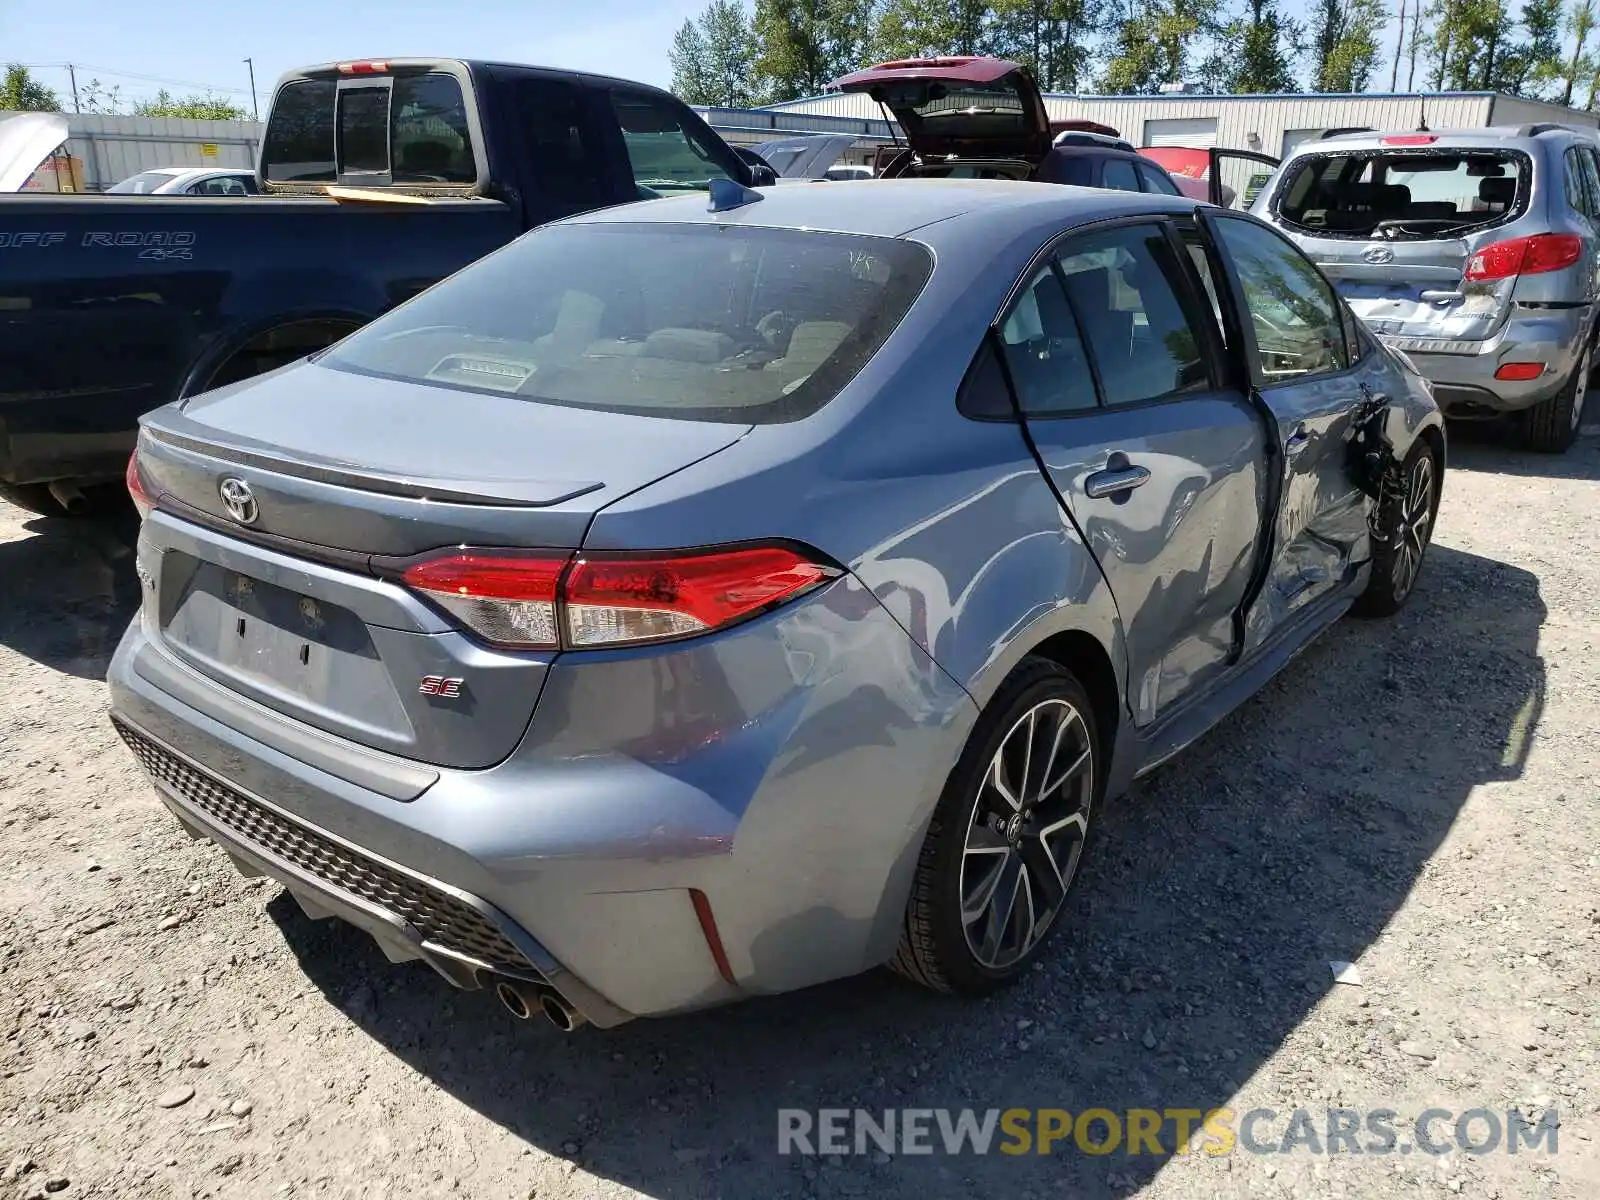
[713,57]
[1580,24]
[1344,44]
[194,108]
[803,45]
[1256,50]
[21,92]
[923,28]
[1050,36]
[1154,43]
[96,97]
[1534,61]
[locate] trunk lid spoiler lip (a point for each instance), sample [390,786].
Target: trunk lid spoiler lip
[190,436]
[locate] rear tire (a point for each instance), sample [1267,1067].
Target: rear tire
[1007,838]
[1403,533]
[1552,426]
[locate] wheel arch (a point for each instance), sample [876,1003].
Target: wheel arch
[211,367]
[1081,653]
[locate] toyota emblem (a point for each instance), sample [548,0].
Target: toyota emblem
[1377,255]
[238,499]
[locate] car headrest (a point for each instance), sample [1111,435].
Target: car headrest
[1498,192]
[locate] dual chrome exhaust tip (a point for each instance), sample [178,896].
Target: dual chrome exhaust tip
[524,1000]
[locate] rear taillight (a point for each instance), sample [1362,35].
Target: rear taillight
[548,601]
[509,600]
[1525,256]
[136,488]
[647,598]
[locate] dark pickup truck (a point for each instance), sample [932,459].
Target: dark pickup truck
[379,179]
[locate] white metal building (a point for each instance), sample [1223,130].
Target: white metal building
[1269,124]
[108,149]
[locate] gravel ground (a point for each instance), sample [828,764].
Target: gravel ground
[1417,797]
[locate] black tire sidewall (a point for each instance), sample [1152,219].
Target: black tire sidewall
[1041,680]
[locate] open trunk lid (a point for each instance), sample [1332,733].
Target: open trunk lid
[966,107]
[264,564]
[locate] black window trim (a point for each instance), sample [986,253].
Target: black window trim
[1191,299]
[1247,328]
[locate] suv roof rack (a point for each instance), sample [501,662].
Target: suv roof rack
[1538,127]
[1082,137]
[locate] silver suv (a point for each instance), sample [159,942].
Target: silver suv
[1474,253]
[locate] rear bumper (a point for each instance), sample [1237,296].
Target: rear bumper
[576,861]
[1465,384]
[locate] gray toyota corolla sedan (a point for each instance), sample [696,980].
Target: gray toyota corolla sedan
[699,599]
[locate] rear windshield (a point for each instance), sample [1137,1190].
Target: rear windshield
[414,131]
[143,183]
[1404,193]
[698,322]
[957,108]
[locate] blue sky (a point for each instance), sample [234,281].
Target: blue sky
[191,42]
[203,43]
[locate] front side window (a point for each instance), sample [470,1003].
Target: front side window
[665,155]
[695,322]
[1293,311]
[1044,355]
[1132,298]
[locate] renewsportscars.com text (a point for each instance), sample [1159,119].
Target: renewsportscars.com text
[1162,1132]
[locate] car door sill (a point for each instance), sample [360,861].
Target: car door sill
[1171,734]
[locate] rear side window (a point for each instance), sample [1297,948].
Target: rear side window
[1296,317]
[666,155]
[696,322]
[1414,193]
[1591,182]
[298,147]
[1156,180]
[1044,355]
[1118,174]
[565,150]
[1131,296]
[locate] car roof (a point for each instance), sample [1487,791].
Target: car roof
[896,207]
[1444,139]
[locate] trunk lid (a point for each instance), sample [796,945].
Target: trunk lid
[966,107]
[277,597]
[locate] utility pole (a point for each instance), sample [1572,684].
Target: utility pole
[72,74]
[254,107]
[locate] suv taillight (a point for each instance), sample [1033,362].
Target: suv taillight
[136,489]
[1525,256]
[548,601]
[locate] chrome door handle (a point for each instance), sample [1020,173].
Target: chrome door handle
[1114,480]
